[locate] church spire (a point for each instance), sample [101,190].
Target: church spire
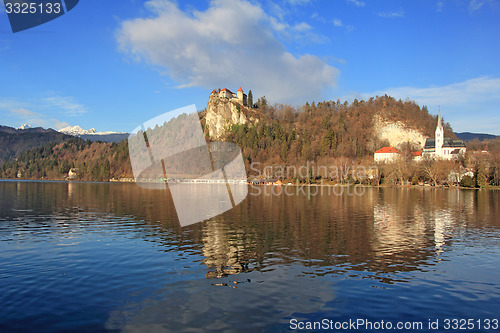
[439,136]
[439,124]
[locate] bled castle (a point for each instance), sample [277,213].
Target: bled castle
[226,93]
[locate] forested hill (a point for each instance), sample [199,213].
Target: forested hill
[13,142]
[279,135]
[467,136]
[331,129]
[98,161]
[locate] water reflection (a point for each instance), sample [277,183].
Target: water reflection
[383,230]
[281,253]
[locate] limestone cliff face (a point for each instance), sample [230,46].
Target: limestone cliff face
[221,113]
[397,133]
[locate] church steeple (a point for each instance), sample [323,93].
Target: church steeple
[439,124]
[439,136]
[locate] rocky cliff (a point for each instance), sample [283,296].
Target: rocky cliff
[222,112]
[397,133]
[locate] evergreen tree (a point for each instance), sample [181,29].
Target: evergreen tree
[250,98]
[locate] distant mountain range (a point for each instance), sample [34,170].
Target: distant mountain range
[24,127]
[15,141]
[93,135]
[467,136]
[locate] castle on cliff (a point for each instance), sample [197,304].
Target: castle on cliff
[240,97]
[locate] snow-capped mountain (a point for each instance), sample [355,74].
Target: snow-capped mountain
[24,127]
[77,130]
[93,135]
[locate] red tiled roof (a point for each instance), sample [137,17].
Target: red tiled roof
[225,89]
[240,89]
[386,150]
[417,153]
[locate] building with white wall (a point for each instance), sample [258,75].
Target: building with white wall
[443,148]
[385,155]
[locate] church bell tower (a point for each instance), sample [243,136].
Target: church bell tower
[439,136]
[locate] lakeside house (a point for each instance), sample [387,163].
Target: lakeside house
[385,155]
[72,173]
[417,155]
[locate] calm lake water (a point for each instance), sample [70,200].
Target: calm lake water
[91,257]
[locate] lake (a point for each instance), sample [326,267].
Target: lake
[96,257]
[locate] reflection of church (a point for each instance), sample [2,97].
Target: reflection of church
[441,147]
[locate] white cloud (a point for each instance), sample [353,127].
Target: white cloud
[399,13]
[337,22]
[467,105]
[23,112]
[357,3]
[299,2]
[9,104]
[475,5]
[317,17]
[230,44]
[439,6]
[303,26]
[57,124]
[470,91]
[19,112]
[67,104]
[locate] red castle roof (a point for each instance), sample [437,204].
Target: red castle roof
[229,91]
[240,89]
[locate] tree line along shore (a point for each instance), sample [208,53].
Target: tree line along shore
[328,134]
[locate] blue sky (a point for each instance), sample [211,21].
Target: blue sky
[114,64]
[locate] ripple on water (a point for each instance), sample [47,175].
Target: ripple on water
[95,257]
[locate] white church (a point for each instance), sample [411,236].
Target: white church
[441,147]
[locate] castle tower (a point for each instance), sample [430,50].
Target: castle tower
[242,97]
[439,136]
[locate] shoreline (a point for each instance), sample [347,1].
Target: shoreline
[259,185]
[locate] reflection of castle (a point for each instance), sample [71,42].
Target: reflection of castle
[222,251]
[226,93]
